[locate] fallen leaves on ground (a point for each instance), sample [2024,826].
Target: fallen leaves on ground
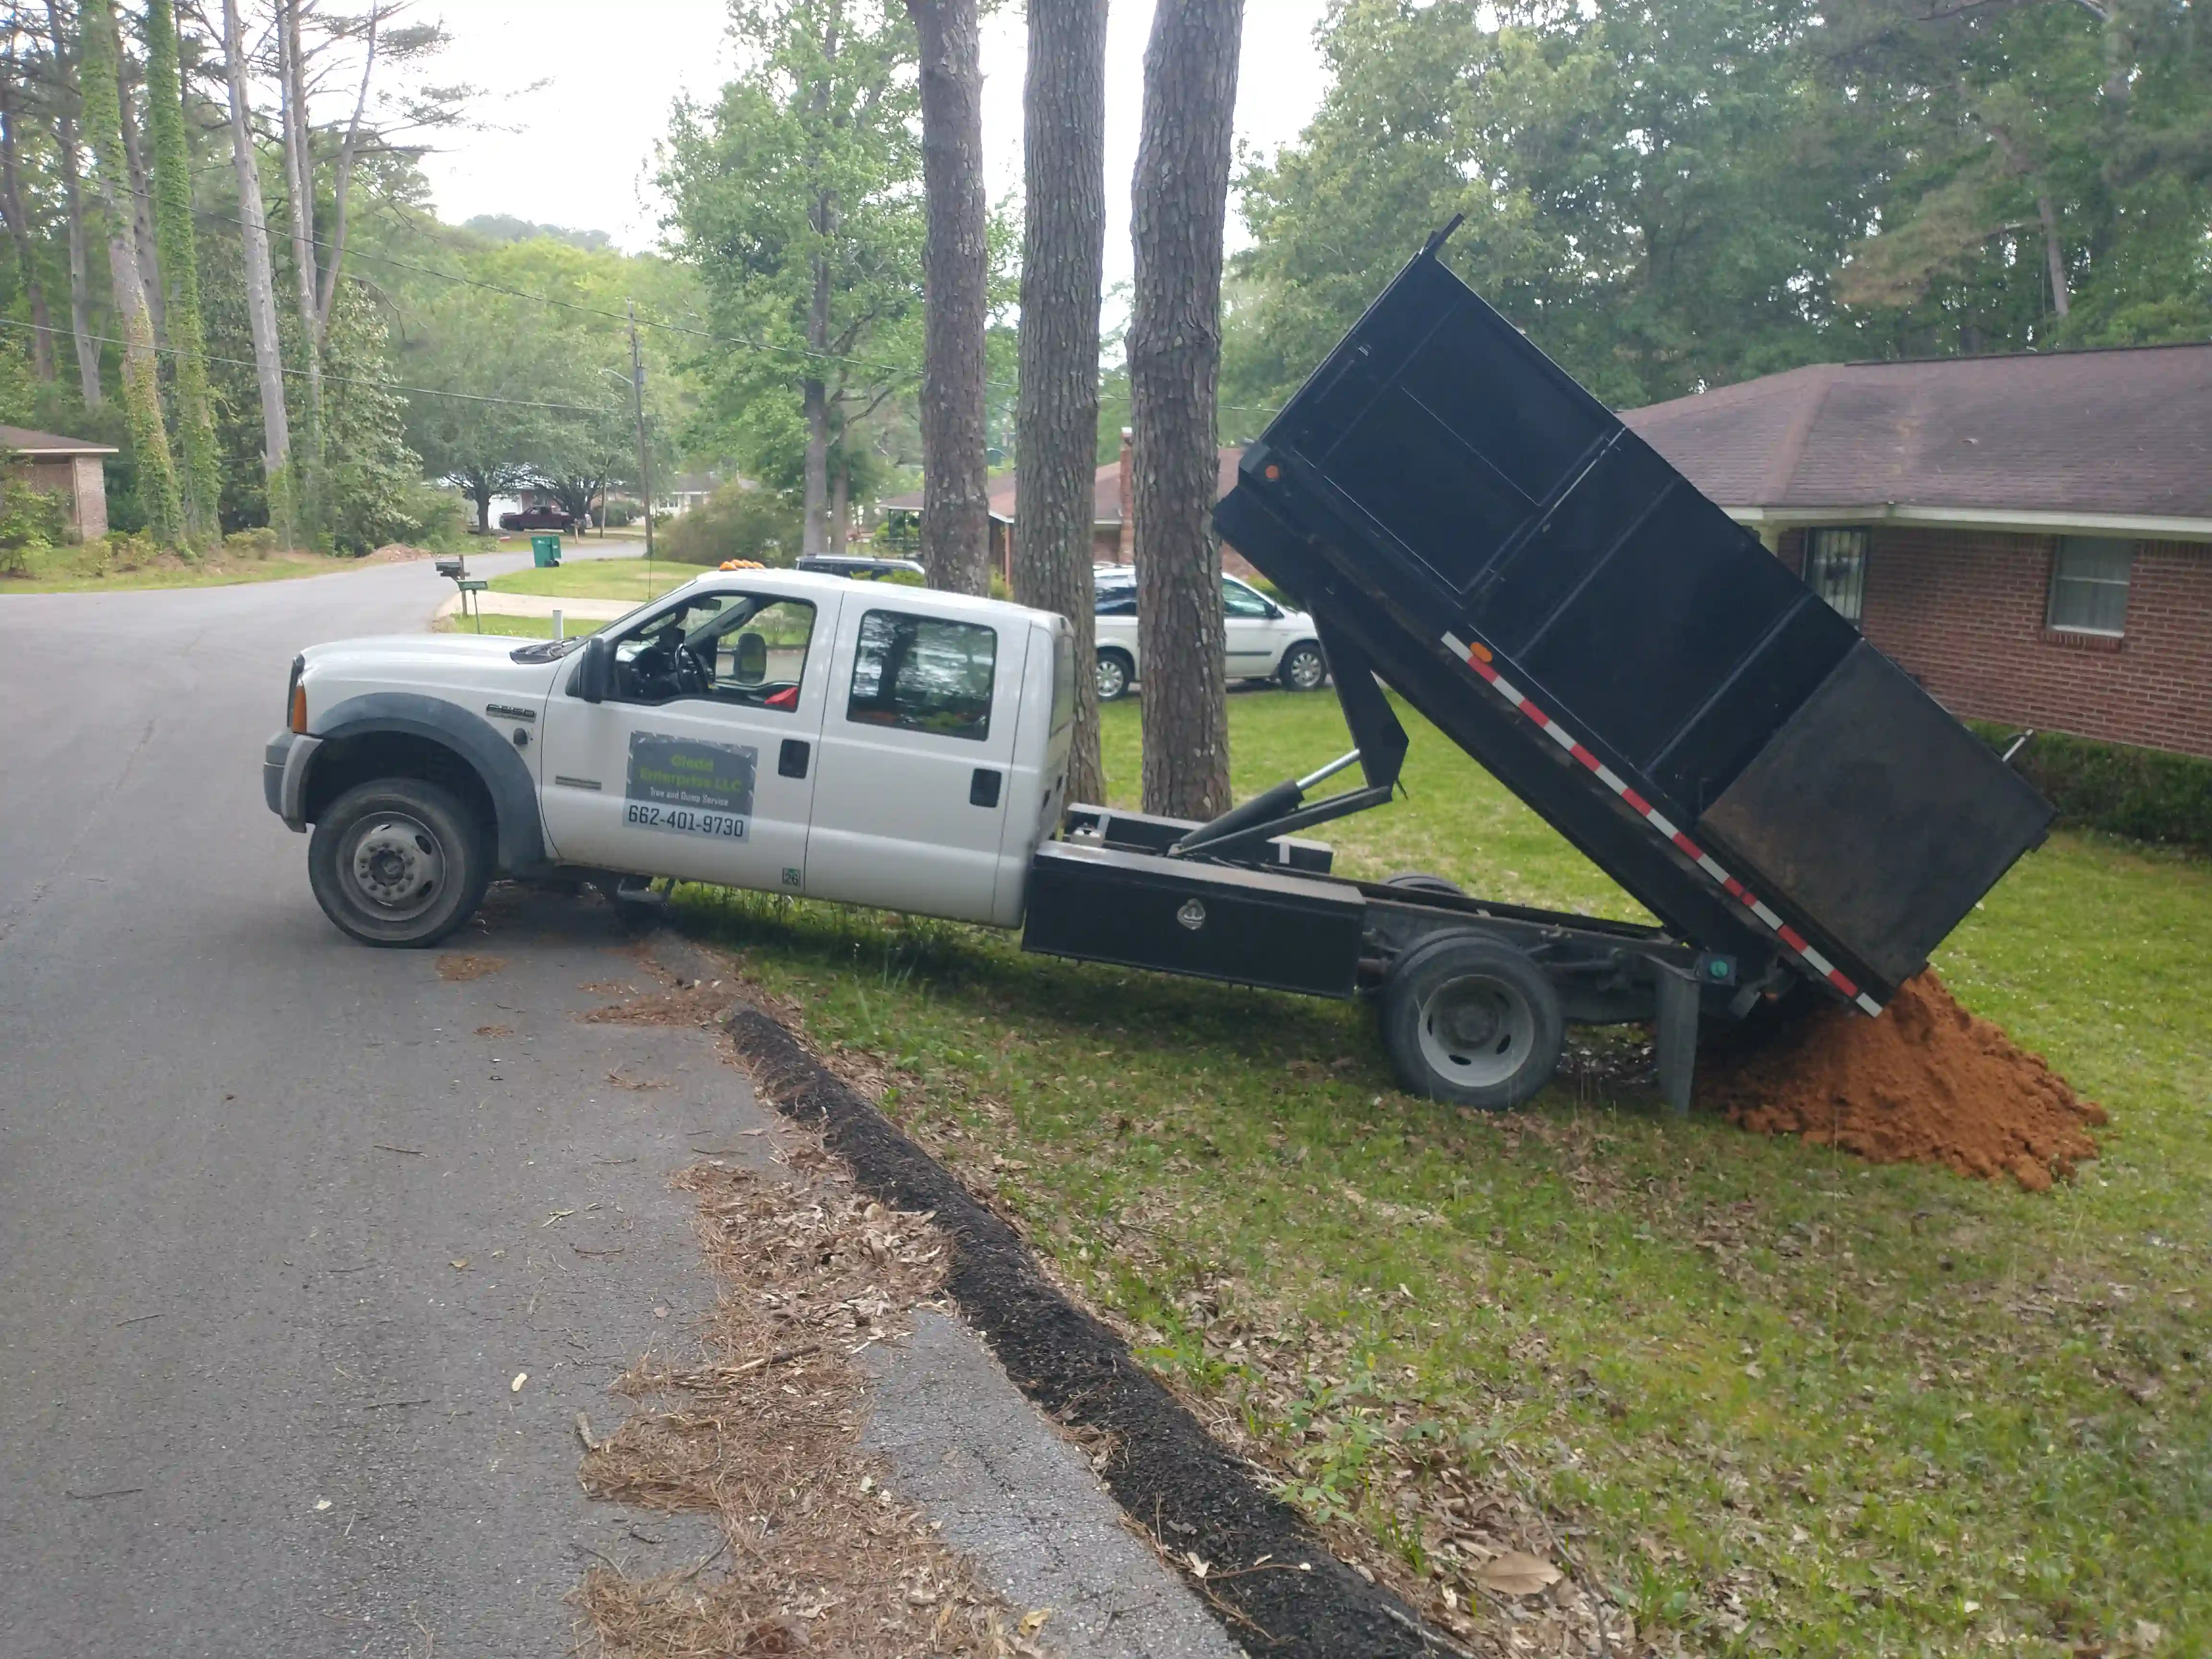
[763,1432]
[457,966]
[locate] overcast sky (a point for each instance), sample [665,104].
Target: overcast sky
[579,150]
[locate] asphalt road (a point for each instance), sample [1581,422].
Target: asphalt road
[248,1402]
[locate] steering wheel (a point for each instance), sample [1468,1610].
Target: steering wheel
[687,671]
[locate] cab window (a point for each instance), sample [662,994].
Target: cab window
[924,674]
[741,648]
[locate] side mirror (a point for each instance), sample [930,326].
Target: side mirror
[753,660]
[594,664]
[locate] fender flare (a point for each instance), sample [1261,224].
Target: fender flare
[521,838]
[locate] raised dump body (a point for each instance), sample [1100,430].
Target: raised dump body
[1468,524]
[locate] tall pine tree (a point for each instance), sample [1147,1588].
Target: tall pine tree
[158,498]
[172,230]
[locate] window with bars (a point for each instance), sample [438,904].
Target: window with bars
[1835,568]
[2089,585]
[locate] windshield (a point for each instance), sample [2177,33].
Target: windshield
[554,650]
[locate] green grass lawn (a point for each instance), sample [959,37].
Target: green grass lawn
[1782,1400]
[519,628]
[622,578]
[81,570]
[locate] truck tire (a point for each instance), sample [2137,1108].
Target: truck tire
[1116,670]
[1469,1019]
[1421,881]
[398,861]
[1303,668]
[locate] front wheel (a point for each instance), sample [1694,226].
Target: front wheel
[398,861]
[1115,672]
[1469,1019]
[1303,668]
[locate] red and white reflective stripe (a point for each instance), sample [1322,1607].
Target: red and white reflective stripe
[1659,821]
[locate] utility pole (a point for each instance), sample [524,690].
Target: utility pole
[644,460]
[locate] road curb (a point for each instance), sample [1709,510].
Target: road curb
[1179,1485]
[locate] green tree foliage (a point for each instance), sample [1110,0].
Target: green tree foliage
[798,200]
[737,521]
[1671,194]
[521,392]
[2037,175]
[465,342]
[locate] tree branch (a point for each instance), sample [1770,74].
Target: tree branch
[347,149]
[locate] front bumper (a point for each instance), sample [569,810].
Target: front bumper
[284,760]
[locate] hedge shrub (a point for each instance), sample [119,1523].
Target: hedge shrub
[2144,793]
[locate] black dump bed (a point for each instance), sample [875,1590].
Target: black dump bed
[1468,524]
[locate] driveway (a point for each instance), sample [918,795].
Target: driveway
[310,1254]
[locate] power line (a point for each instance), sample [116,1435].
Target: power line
[341,380]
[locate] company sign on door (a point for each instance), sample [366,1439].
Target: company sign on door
[690,786]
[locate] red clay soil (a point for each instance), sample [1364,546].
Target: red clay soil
[1925,1083]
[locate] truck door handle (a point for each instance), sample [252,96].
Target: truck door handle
[983,787]
[791,762]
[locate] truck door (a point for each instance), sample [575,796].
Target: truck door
[917,748]
[701,763]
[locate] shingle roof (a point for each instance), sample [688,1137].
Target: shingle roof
[2123,432]
[22,440]
[1105,490]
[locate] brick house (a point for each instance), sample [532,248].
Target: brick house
[2030,537]
[1109,497]
[69,467]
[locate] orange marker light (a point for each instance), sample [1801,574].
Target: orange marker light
[1479,652]
[299,709]
[1274,472]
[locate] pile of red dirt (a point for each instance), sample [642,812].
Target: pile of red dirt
[1925,1083]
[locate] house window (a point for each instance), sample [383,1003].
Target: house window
[2089,585]
[1835,568]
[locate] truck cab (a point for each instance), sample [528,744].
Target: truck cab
[776,730]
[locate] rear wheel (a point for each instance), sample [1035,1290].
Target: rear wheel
[1303,668]
[1114,670]
[1469,1019]
[398,861]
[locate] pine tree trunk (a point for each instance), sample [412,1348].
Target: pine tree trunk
[955,496]
[19,227]
[1179,203]
[261,281]
[141,213]
[141,387]
[841,507]
[173,229]
[300,185]
[65,150]
[1056,418]
[814,537]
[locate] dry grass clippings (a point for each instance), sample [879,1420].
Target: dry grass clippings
[457,966]
[763,1433]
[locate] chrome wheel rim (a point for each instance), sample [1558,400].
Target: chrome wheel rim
[393,866]
[1306,671]
[1113,678]
[1477,1032]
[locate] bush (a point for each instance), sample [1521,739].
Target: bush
[31,516]
[2146,794]
[733,523]
[257,543]
[614,514]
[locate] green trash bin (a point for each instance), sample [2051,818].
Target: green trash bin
[546,552]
